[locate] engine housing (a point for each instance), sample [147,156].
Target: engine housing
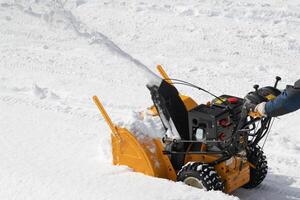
[214,123]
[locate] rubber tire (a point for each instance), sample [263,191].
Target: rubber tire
[256,157]
[204,173]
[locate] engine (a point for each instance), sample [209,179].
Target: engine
[215,122]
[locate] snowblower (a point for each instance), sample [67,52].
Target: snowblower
[212,146]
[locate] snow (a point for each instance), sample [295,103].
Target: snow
[143,124]
[55,55]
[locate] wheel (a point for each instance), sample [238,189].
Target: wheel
[256,157]
[201,176]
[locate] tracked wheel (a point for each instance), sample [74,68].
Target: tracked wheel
[256,157]
[201,176]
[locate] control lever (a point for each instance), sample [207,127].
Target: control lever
[277,80]
[256,87]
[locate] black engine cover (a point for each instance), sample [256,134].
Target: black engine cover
[217,121]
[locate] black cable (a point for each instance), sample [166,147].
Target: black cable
[268,134]
[262,131]
[195,86]
[181,82]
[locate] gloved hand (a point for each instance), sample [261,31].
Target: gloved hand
[260,109]
[256,110]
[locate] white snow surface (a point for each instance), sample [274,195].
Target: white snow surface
[55,55]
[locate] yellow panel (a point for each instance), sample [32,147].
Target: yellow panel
[145,157]
[270,97]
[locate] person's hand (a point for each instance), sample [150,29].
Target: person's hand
[260,109]
[256,110]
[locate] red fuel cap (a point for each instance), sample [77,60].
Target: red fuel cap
[232,100]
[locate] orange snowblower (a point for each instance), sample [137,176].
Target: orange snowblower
[213,146]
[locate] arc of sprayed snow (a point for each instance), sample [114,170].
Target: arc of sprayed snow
[100,38]
[97,37]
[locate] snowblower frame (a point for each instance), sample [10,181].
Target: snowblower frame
[188,158]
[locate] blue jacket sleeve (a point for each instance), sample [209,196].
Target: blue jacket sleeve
[288,101]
